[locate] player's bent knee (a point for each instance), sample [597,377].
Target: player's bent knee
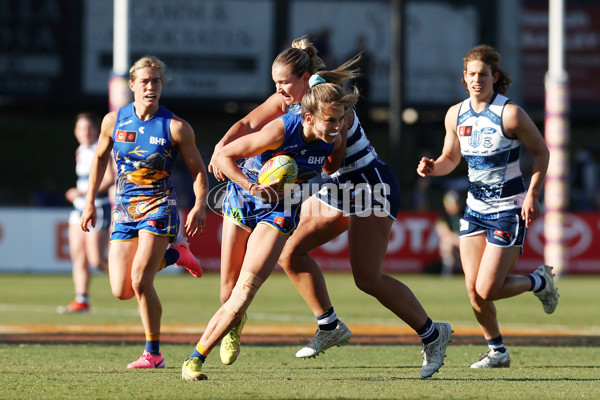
[242,294]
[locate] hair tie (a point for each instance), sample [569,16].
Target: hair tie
[315,80]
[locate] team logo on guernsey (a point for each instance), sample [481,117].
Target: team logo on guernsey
[126,136]
[465,130]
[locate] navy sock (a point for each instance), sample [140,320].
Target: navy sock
[328,320]
[537,282]
[153,347]
[496,344]
[171,256]
[428,332]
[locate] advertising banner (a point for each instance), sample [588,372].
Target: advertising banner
[36,240]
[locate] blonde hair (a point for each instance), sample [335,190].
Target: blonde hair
[333,91]
[302,57]
[490,56]
[149,62]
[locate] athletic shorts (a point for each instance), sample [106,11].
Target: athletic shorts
[156,215]
[508,230]
[247,211]
[102,215]
[373,189]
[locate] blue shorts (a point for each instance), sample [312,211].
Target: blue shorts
[508,230]
[371,189]
[247,211]
[154,214]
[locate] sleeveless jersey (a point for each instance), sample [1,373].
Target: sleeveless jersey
[495,179]
[308,156]
[359,151]
[144,156]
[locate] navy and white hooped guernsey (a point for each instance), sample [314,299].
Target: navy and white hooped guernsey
[495,178]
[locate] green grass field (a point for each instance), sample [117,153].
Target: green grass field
[565,369]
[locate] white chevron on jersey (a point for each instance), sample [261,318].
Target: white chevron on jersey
[495,179]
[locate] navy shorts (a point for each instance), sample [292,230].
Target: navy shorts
[102,215]
[508,230]
[373,189]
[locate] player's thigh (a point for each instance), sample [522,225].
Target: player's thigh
[96,244]
[264,247]
[319,223]
[471,252]
[495,265]
[233,248]
[368,238]
[76,241]
[149,255]
[120,260]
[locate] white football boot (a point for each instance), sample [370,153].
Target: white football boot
[493,359]
[549,294]
[434,352]
[324,340]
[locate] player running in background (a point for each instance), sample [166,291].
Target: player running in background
[87,251]
[488,130]
[146,138]
[257,228]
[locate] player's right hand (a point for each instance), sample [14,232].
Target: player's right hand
[88,217]
[425,167]
[216,172]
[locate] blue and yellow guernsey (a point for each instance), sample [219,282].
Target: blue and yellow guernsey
[144,155]
[309,157]
[495,179]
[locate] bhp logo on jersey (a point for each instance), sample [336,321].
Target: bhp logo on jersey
[465,130]
[316,160]
[156,140]
[126,136]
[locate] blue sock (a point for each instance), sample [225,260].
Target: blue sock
[171,256]
[153,347]
[196,353]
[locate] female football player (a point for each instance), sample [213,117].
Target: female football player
[258,219]
[146,138]
[488,130]
[326,215]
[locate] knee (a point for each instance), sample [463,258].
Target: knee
[474,296]
[243,293]
[122,293]
[367,284]
[487,292]
[289,259]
